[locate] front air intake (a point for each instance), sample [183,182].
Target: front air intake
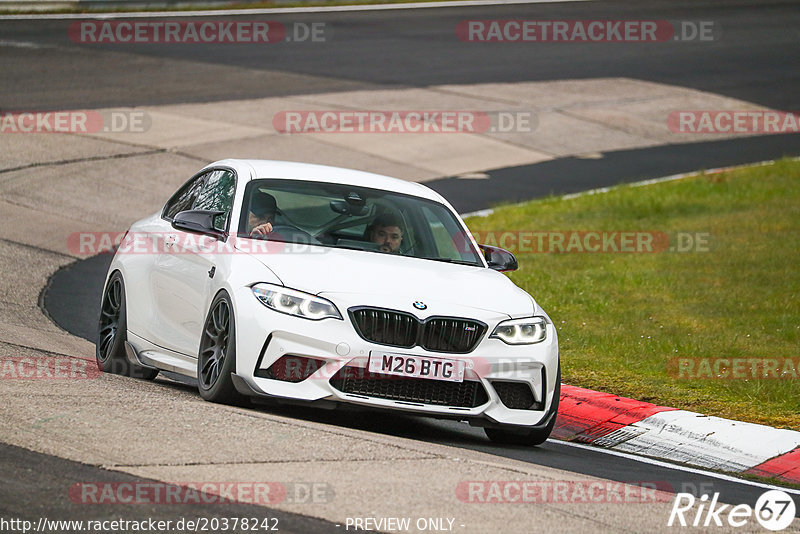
[466,394]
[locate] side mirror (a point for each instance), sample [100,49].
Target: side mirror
[198,222]
[499,259]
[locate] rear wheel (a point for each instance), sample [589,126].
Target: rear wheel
[529,437]
[113,332]
[217,358]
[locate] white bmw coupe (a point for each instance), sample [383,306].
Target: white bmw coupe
[313,284]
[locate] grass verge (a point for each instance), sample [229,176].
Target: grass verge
[629,321]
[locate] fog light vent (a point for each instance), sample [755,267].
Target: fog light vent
[516,395]
[291,368]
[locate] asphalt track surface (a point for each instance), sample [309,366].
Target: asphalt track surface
[33,488]
[756,59]
[574,174]
[758,62]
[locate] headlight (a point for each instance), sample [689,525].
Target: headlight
[522,331]
[297,303]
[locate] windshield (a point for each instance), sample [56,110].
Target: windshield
[344,216]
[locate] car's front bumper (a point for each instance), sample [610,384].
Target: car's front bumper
[264,336]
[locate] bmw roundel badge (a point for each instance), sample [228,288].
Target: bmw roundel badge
[420,305]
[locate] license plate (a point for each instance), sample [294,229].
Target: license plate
[416,366]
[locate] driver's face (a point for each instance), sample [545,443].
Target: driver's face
[388,237]
[254,220]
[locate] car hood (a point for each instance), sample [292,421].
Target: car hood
[388,278]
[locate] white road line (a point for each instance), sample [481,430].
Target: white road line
[22,44]
[276,10]
[676,467]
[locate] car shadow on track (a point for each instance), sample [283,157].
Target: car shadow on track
[378,421]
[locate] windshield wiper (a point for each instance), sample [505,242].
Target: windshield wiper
[353,247]
[433,258]
[450,260]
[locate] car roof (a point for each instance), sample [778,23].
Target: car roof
[291,170]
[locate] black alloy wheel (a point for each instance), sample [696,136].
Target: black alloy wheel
[217,359]
[112,333]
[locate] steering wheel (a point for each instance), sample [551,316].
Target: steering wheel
[408,251]
[291,234]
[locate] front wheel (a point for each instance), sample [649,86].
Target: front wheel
[112,333]
[217,359]
[533,437]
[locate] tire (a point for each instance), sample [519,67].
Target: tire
[217,358]
[112,332]
[533,437]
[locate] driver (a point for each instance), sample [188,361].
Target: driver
[387,231]
[261,215]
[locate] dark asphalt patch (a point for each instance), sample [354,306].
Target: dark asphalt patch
[35,485]
[573,174]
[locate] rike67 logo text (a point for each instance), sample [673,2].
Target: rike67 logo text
[774,510]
